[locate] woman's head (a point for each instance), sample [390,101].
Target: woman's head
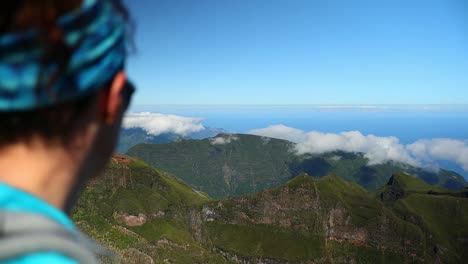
[53,118]
[63,90]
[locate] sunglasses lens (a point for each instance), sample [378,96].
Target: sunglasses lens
[128,91]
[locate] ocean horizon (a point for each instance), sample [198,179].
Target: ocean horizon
[408,123]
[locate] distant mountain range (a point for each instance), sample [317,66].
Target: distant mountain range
[235,164]
[146,215]
[130,137]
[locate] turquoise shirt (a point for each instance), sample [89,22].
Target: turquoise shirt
[12,199]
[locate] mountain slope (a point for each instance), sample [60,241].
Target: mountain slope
[331,220]
[141,214]
[148,216]
[230,165]
[245,165]
[130,137]
[438,211]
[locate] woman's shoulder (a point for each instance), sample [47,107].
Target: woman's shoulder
[42,258]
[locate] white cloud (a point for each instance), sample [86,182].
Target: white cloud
[157,124]
[281,132]
[223,139]
[422,153]
[441,149]
[377,149]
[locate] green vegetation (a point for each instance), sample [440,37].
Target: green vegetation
[346,222]
[438,211]
[267,241]
[129,137]
[131,188]
[246,165]
[345,252]
[250,164]
[144,215]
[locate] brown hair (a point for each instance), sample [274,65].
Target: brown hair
[58,121]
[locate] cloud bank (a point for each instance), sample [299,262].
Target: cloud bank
[157,124]
[223,139]
[441,149]
[422,153]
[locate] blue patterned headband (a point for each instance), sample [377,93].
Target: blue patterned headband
[96,35]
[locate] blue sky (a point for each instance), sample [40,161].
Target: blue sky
[300,52]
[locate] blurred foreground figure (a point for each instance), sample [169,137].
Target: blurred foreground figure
[63,93]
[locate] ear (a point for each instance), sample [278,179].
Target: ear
[111,99]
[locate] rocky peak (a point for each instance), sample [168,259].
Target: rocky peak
[393,190]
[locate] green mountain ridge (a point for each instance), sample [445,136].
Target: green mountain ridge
[249,164]
[148,216]
[130,137]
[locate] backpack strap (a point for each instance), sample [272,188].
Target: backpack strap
[25,233]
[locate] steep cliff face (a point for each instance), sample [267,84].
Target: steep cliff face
[309,219]
[148,216]
[142,215]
